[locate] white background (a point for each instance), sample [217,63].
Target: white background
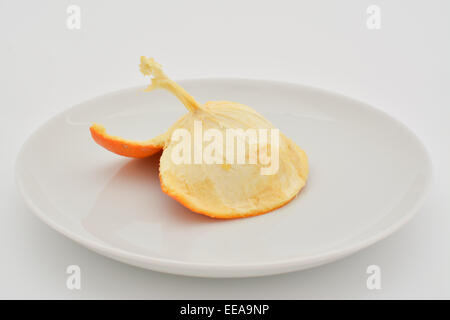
[403,69]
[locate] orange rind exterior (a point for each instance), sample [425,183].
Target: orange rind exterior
[124,147]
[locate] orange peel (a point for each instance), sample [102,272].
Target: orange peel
[124,147]
[221,189]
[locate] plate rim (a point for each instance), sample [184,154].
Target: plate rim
[208,269]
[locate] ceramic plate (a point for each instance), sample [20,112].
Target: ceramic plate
[368,175]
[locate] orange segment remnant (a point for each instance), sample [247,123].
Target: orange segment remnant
[123,147]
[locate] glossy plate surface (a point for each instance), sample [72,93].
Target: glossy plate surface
[368,175]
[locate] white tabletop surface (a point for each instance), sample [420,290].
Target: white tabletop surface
[402,68]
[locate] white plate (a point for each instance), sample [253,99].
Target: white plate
[369,174]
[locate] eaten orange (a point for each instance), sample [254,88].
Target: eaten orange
[221,189]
